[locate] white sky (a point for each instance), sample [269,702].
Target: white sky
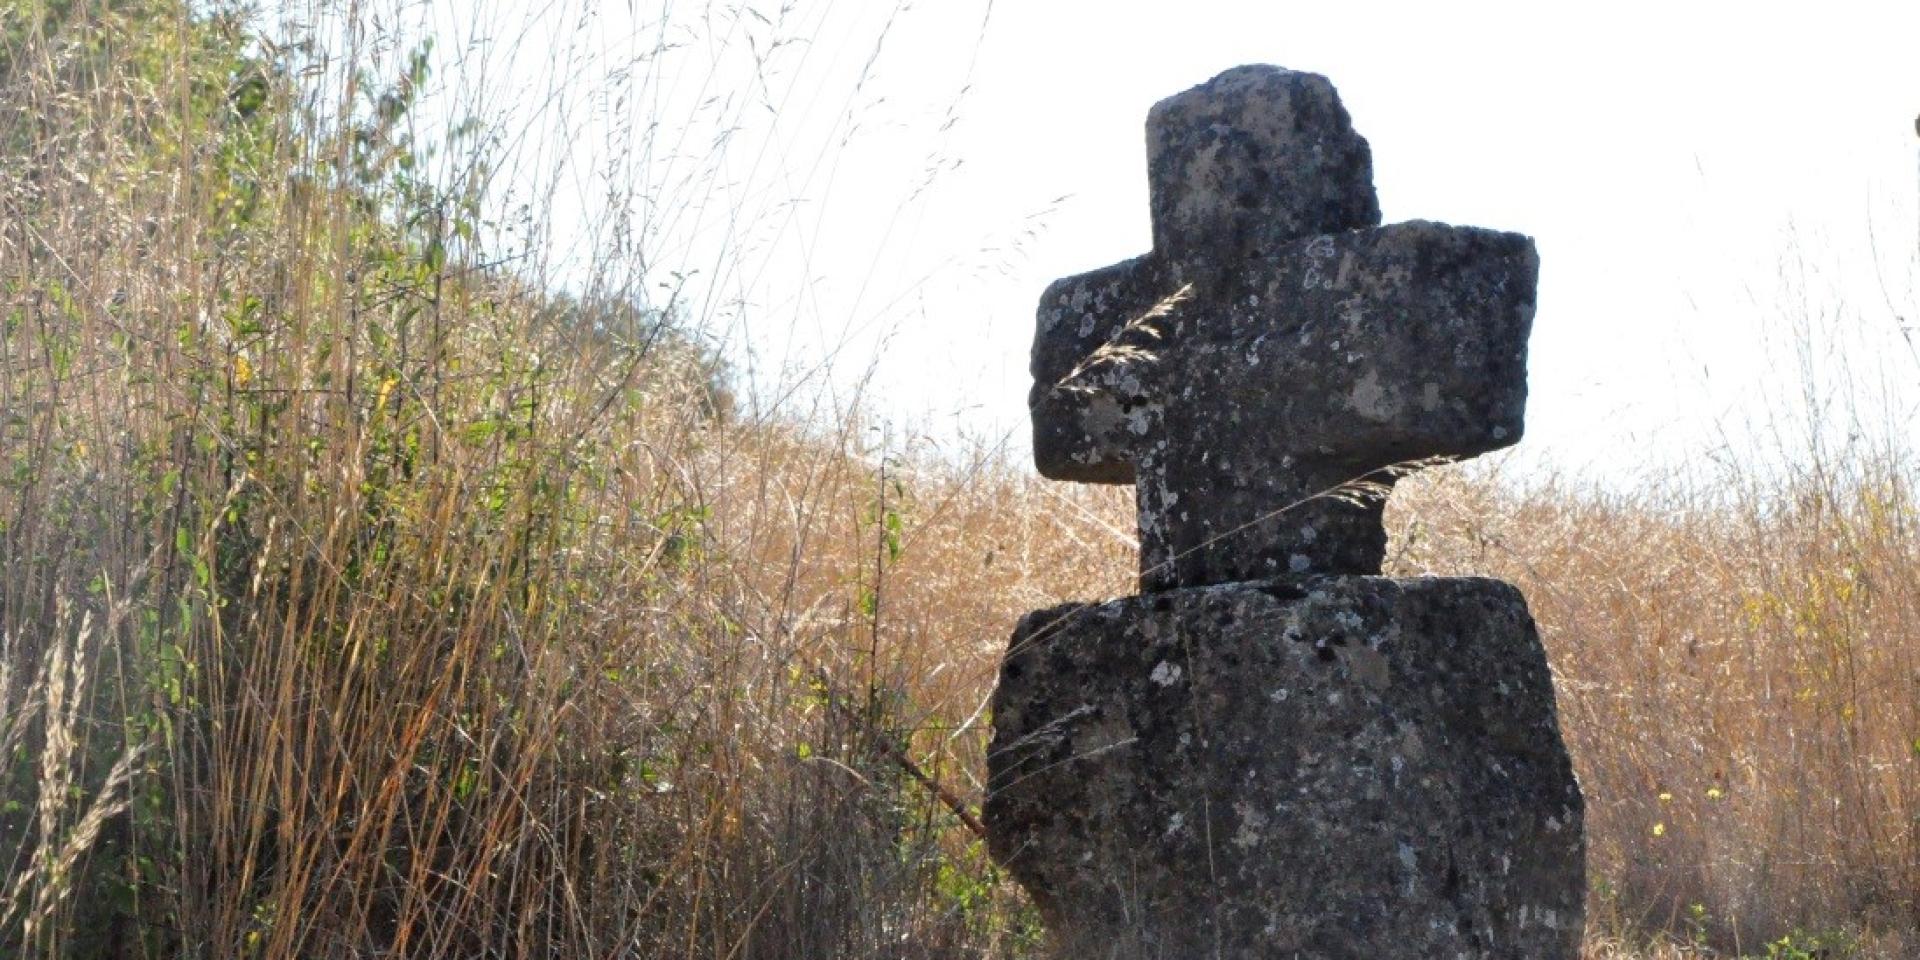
[1696,176]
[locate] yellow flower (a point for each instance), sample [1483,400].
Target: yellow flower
[1666,797]
[1659,829]
[1715,793]
[242,370]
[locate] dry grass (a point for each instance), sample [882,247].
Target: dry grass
[1738,685]
[359,599]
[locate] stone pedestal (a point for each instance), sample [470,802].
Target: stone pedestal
[1315,767]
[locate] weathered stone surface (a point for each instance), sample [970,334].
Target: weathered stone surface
[1311,348]
[1322,767]
[1387,346]
[1272,754]
[1237,166]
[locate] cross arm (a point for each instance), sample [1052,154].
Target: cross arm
[1372,347]
[1340,355]
[1089,402]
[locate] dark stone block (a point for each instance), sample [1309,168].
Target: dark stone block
[1337,767]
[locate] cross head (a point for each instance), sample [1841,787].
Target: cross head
[1277,344]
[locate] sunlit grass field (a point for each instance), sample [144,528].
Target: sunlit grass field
[362,596]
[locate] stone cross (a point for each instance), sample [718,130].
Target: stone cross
[1277,344]
[1269,752]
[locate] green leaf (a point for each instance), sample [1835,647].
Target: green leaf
[893,527]
[464,783]
[480,431]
